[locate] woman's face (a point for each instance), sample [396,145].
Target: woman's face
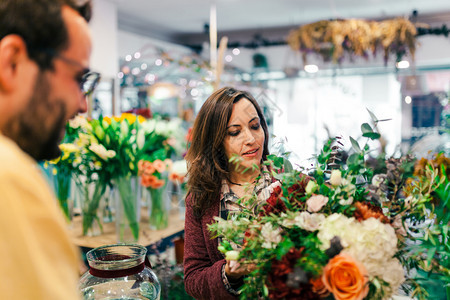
[245,136]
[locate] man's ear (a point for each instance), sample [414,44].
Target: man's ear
[13,53]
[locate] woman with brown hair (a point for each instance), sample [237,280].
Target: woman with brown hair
[230,125]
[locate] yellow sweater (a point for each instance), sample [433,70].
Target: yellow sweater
[37,258]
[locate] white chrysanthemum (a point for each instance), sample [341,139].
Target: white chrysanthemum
[101,151]
[271,236]
[310,222]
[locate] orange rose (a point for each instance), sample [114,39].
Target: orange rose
[158,183]
[148,180]
[148,168]
[345,278]
[159,165]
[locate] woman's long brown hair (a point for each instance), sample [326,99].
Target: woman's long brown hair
[207,162]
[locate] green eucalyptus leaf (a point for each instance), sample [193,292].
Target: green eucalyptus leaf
[372,135]
[366,128]
[355,145]
[353,159]
[287,166]
[372,116]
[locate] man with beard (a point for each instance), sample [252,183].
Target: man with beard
[45,47]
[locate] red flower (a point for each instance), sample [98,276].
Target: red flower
[276,205]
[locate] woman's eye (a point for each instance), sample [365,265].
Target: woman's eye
[233,133]
[255,126]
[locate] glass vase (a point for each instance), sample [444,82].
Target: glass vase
[62,184]
[119,272]
[127,206]
[108,204]
[91,195]
[158,206]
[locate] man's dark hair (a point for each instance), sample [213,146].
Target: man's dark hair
[40,24]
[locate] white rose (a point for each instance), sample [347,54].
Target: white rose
[336,177]
[316,202]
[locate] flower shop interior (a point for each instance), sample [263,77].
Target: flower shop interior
[318,69]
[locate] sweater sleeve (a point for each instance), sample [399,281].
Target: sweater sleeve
[202,276]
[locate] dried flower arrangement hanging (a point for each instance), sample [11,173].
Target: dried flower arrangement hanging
[333,40]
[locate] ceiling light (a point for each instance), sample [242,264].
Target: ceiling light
[144,66]
[135,71]
[408,99]
[228,58]
[120,75]
[194,92]
[128,57]
[311,68]
[150,77]
[236,51]
[403,64]
[158,62]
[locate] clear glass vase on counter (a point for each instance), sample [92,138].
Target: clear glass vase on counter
[119,271]
[91,196]
[127,207]
[158,206]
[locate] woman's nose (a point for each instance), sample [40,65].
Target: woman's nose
[249,137]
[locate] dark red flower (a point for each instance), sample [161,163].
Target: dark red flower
[274,204]
[278,275]
[296,191]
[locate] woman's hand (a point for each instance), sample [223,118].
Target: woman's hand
[235,270]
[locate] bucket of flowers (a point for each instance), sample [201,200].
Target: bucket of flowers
[344,230]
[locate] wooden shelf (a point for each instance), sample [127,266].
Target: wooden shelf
[147,236]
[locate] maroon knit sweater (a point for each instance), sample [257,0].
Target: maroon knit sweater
[202,261]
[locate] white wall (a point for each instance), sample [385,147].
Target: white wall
[311,106]
[105,55]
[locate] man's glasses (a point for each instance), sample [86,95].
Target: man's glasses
[88,81]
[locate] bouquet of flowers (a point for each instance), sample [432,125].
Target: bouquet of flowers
[65,167]
[339,230]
